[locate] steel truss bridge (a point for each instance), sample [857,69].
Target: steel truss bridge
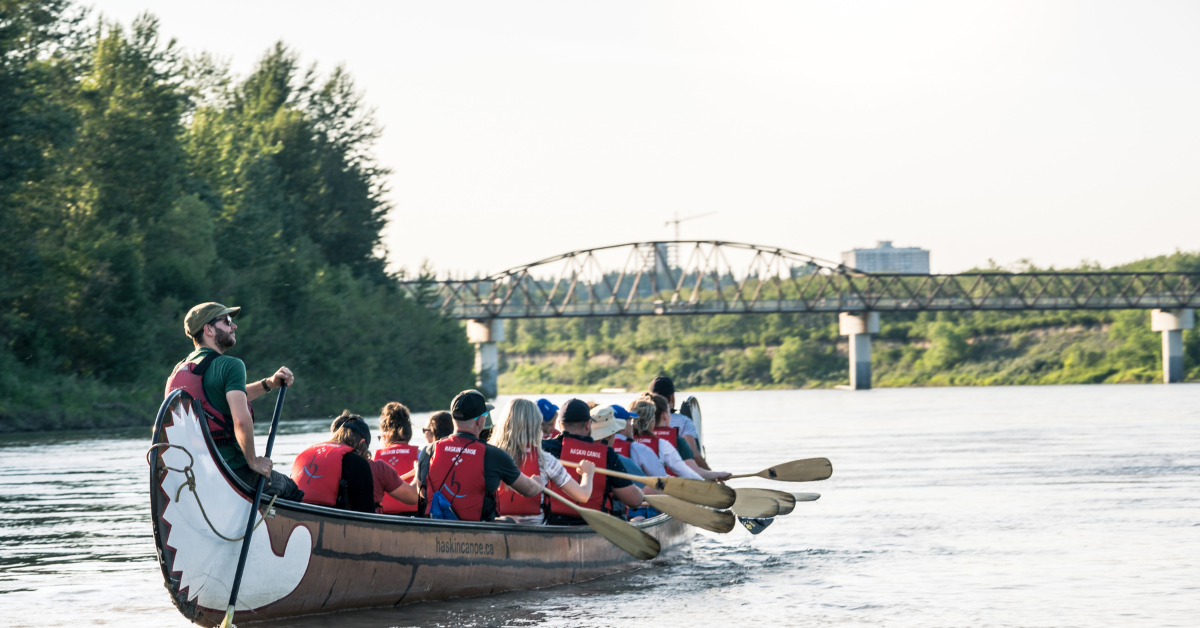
[689,277]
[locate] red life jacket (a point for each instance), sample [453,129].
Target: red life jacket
[456,469]
[189,377]
[510,502]
[669,434]
[553,434]
[318,472]
[400,457]
[621,446]
[575,450]
[652,443]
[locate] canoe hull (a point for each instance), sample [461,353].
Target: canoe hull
[308,559]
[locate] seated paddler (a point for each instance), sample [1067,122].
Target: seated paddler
[671,435]
[218,382]
[460,479]
[575,444]
[395,426]
[520,436]
[337,472]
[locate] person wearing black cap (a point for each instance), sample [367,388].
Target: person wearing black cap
[335,473]
[459,480]
[575,444]
[662,385]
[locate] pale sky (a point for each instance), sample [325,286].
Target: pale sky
[1056,131]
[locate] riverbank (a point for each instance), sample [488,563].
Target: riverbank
[969,349]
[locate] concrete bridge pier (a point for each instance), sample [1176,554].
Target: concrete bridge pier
[485,334]
[859,326]
[1172,323]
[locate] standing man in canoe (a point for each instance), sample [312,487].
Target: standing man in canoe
[219,382]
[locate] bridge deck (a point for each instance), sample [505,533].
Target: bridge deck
[519,295]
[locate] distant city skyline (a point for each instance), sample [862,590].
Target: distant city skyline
[1056,132]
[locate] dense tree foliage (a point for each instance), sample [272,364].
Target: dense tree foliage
[798,350]
[136,181]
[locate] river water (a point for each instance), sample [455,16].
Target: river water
[1038,506]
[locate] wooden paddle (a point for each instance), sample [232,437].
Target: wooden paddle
[625,536]
[258,491]
[719,521]
[807,470]
[709,494]
[806,497]
[754,505]
[787,503]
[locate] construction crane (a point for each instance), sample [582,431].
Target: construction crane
[679,220]
[672,253]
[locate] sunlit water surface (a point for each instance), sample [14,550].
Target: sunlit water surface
[1047,506]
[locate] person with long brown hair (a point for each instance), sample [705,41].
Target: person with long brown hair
[395,427]
[520,435]
[664,452]
[670,435]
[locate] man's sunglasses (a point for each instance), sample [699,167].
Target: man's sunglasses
[227,318]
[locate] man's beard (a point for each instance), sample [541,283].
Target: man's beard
[224,340]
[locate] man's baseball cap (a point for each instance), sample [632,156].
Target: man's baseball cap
[576,411]
[622,413]
[203,314]
[662,385]
[469,405]
[548,410]
[605,423]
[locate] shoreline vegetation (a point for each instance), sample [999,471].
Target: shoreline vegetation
[137,180]
[787,351]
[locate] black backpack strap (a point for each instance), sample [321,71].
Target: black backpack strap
[204,363]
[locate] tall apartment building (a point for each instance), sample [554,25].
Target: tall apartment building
[885,258]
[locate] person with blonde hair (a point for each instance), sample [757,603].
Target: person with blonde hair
[663,452]
[396,430]
[520,435]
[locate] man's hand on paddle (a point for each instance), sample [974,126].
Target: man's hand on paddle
[260,465]
[282,376]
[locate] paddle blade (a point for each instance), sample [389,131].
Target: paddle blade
[807,470]
[755,505]
[718,521]
[806,497]
[711,494]
[787,502]
[756,525]
[635,542]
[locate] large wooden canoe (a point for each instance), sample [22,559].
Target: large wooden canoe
[311,559]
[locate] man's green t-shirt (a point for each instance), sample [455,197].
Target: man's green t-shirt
[224,374]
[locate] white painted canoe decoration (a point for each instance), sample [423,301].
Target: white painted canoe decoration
[206,562]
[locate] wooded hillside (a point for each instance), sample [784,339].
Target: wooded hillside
[137,180]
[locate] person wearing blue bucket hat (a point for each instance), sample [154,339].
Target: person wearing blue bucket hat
[549,412]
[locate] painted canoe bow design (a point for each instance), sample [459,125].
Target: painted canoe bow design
[307,559]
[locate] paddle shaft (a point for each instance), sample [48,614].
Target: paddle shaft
[745,475]
[258,491]
[641,479]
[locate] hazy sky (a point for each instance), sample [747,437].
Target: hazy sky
[1057,131]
